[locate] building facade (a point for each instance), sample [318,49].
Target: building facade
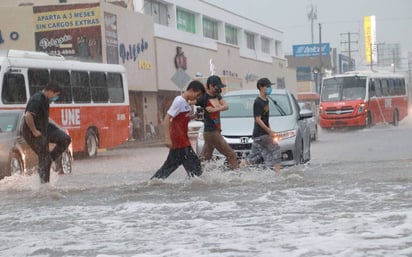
[162,44]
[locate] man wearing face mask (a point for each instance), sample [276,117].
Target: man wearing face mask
[264,146]
[212,104]
[38,132]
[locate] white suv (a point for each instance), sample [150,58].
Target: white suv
[286,119]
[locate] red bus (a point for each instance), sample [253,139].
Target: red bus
[362,99]
[94,104]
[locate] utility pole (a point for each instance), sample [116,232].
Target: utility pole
[371,57]
[349,42]
[312,15]
[320,59]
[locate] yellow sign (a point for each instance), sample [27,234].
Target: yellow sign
[370,38]
[67,19]
[144,65]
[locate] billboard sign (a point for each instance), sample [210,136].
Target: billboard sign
[309,50]
[69,30]
[370,39]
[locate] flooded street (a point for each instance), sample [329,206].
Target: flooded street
[352,199]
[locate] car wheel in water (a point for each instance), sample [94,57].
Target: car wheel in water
[91,143]
[15,165]
[65,163]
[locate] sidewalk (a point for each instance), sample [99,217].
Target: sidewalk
[155,142]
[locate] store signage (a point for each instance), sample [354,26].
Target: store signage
[13,36]
[310,50]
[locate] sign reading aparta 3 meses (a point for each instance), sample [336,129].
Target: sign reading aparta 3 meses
[70,30]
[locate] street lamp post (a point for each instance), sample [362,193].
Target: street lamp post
[316,73]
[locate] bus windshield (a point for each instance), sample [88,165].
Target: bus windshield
[343,88]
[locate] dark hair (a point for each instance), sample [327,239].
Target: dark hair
[54,86]
[263,82]
[196,86]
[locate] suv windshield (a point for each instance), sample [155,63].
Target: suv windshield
[242,105]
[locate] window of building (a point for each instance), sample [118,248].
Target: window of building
[250,40]
[231,35]
[210,28]
[185,21]
[278,46]
[158,11]
[265,45]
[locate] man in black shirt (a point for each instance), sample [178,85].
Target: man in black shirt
[38,132]
[264,146]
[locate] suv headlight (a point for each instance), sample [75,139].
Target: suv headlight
[284,135]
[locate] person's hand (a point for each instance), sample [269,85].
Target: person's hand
[36,133]
[210,109]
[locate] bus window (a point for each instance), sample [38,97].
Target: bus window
[391,87]
[99,87]
[378,87]
[402,87]
[384,87]
[372,90]
[38,79]
[63,77]
[14,90]
[399,85]
[115,86]
[81,87]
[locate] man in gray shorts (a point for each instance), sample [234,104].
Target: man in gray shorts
[264,146]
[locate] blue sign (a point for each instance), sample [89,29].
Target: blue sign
[310,50]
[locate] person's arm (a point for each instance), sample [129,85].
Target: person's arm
[29,119]
[260,122]
[219,108]
[166,125]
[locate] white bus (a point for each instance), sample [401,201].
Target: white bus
[94,104]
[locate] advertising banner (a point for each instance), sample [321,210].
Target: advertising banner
[69,30]
[370,39]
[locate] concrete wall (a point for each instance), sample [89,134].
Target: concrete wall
[16,26]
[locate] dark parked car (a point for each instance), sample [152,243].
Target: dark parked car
[16,156]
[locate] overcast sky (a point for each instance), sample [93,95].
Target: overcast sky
[338,18]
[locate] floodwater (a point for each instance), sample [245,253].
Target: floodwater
[353,199]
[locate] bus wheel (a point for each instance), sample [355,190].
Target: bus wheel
[395,118]
[15,165]
[91,143]
[368,121]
